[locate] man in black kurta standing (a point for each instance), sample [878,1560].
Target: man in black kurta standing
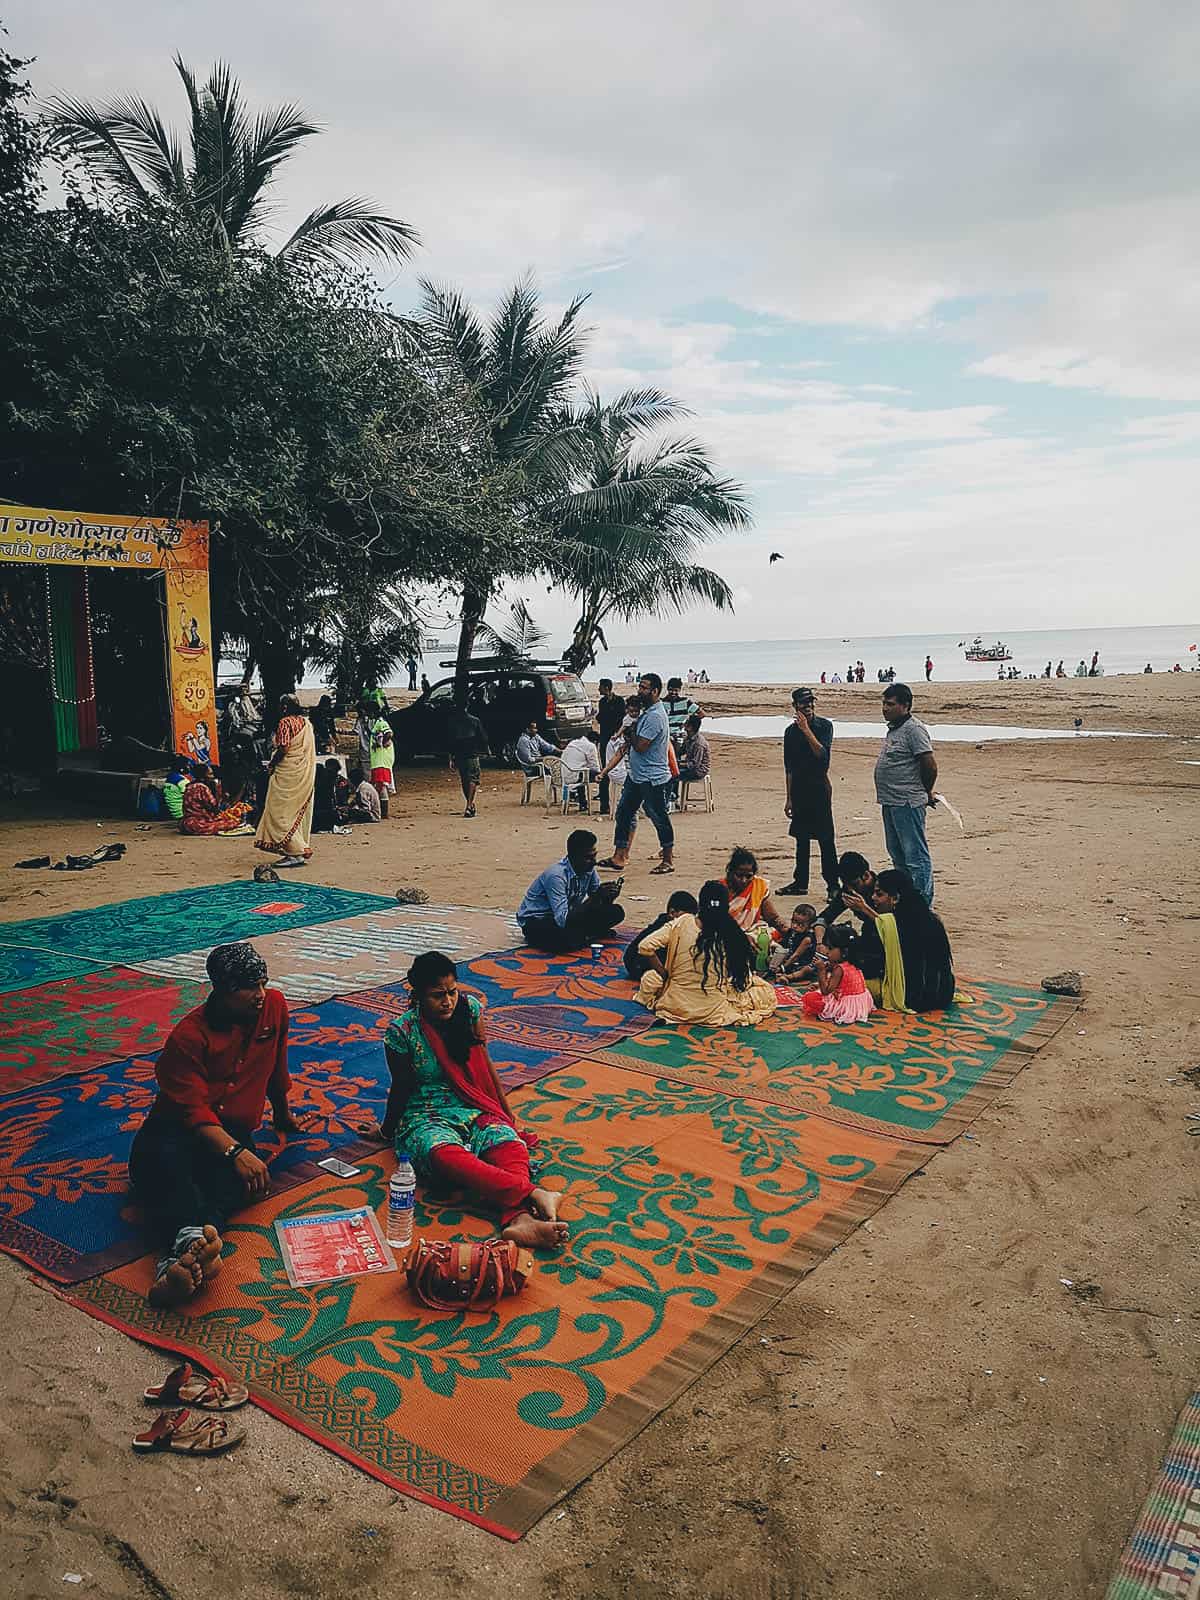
[610,714]
[807,745]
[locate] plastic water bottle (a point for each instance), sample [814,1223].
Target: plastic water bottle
[402,1191]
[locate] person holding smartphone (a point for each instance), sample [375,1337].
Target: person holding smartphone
[567,907]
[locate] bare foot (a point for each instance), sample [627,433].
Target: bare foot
[534,1234]
[181,1279]
[210,1253]
[544,1203]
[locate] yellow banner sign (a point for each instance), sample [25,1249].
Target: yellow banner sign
[81,538]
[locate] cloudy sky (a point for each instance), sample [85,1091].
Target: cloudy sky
[924,274]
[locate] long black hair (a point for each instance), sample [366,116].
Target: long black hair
[723,945]
[911,911]
[459,1030]
[924,945]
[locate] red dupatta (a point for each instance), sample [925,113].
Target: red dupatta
[473,1083]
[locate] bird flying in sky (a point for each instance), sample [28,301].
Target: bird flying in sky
[775,556]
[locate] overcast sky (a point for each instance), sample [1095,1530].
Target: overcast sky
[925,274]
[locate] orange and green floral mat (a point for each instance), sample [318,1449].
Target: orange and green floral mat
[922,1078]
[691,1213]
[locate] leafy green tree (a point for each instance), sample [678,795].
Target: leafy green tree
[634,509]
[221,184]
[275,400]
[513,375]
[20,142]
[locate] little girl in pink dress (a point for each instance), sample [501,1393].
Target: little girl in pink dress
[842,995]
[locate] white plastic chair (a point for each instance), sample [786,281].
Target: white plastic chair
[572,783]
[705,801]
[550,773]
[532,779]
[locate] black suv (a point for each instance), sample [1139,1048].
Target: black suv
[506,696]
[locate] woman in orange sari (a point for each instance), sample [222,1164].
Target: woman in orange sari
[750,900]
[287,816]
[203,813]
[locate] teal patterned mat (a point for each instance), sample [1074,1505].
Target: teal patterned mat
[76,942]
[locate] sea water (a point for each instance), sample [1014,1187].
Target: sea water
[943,732]
[797,661]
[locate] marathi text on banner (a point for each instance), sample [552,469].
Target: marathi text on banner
[78,538]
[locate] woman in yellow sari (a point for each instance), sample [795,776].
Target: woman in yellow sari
[287,815]
[750,900]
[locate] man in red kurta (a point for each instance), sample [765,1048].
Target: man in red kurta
[193,1161]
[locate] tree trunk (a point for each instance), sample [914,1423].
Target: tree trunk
[581,652]
[475,600]
[280,673]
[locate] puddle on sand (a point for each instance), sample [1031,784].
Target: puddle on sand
[944,732]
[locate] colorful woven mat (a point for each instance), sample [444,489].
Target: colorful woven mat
[65,1203]
[923,1078]
[22,969]
[159,925]
[1162,1556]
[311,964]
[691,1214]
[78,1023]
[543,1011]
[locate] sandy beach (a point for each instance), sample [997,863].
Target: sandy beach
[931,1414]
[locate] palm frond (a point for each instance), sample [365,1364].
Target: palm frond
[273,137]
[453,329]
[518,639]
[150,145]
[347,230]
[93,134]
[535,367]
[676,586]
[219,143]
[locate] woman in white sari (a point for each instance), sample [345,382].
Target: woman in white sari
[287,816]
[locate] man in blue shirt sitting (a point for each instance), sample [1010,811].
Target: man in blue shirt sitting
[567,907]
[531,747]
[649,781]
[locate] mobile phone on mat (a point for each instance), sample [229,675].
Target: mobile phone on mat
[339,1168]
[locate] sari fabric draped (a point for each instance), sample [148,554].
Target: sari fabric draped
[287,816]
[203,813]
[745,908]
[918,966]
[472,1082]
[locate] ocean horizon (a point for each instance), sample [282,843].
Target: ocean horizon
[1122,650]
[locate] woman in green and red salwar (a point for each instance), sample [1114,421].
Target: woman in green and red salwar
[447,1110]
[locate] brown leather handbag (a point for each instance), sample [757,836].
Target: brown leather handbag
[464,1274]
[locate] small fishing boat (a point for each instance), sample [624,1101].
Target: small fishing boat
[632,663]
[978,651]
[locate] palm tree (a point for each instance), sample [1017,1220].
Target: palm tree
[633,511]
[222,182]
[514,375]
[368,628]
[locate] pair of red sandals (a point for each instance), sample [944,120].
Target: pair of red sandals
[197,1427]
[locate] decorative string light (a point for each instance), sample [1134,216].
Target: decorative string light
[62,699]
